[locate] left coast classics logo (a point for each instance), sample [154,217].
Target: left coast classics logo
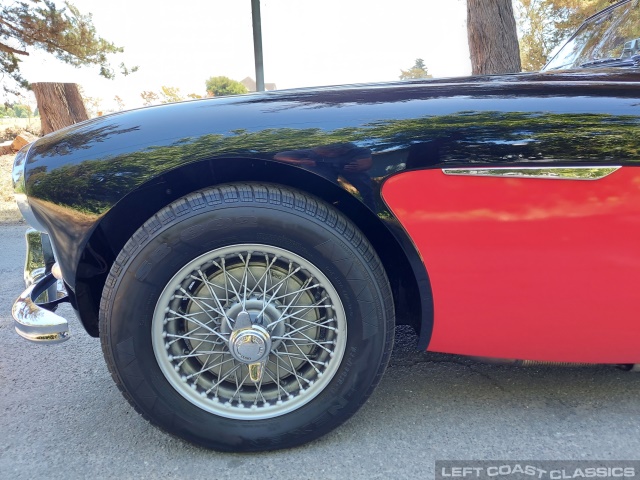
[530,469]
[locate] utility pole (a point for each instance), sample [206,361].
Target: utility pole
[257,44]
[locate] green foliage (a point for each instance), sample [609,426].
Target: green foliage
[64,32]
[149,98]
[219,86]
[419,70]
[119,101]
[22,111]
[544,24]
[170,95]
[7,112]
[15,110]
[166,95]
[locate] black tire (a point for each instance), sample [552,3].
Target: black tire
[155,319]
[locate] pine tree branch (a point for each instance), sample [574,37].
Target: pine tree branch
[8,49]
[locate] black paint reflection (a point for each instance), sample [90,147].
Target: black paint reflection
[371,150]
[85,136]
[335,162]
[354,137]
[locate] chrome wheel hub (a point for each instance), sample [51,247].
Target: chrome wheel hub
[259,314]
[249,331]
[250,345]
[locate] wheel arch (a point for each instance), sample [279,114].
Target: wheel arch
[408,278]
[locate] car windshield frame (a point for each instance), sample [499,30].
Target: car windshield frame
[598,41]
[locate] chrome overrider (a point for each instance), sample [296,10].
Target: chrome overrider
[32,312]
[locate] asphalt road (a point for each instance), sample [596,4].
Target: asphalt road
[62,416]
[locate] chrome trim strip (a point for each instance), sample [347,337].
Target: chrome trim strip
[554,173]
[33,322]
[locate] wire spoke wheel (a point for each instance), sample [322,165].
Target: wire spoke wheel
[295,315]
[247,317]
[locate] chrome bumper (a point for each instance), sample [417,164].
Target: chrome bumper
[31,312]
[33,321]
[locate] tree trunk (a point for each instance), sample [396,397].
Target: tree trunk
[60,105]
[493,39]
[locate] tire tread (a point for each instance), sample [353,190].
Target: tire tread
[259,193]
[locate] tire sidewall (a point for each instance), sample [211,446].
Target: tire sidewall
[157,256]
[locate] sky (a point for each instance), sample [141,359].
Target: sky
[305,43]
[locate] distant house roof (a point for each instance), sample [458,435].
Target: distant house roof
[250,83]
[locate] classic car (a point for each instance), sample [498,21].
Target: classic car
[244,260]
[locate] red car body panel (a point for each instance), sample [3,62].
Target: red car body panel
[539,269]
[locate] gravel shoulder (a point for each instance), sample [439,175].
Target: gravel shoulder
[9,213]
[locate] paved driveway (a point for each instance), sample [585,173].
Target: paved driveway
[62,416]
